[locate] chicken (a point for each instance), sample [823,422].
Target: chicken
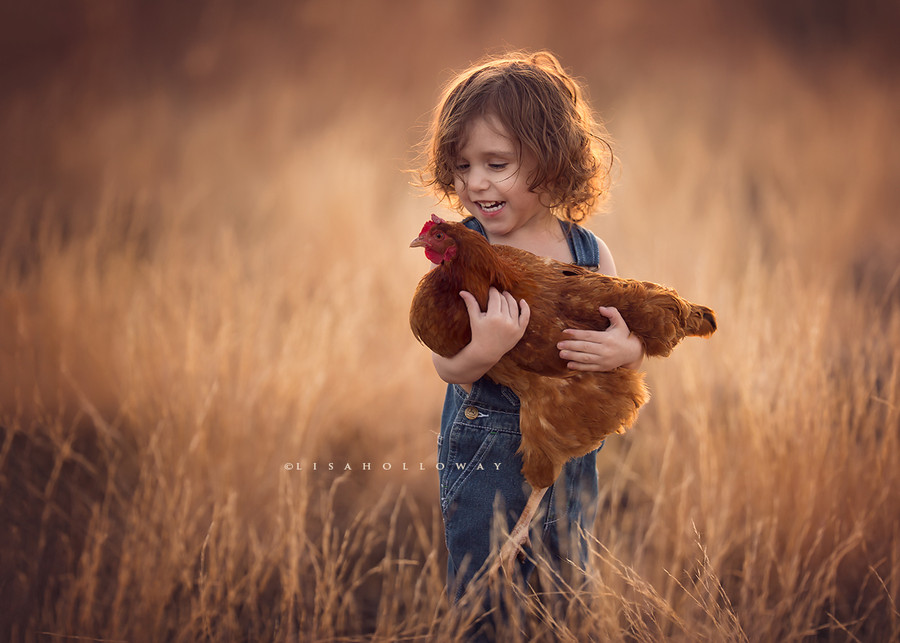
[564,413]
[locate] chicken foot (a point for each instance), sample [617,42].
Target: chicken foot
[518,537]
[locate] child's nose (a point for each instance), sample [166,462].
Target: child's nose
[478,179]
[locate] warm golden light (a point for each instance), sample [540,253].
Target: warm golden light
[215,423]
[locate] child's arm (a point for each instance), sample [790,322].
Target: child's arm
[596,350]
[494,332]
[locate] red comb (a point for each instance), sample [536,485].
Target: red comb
[435,219]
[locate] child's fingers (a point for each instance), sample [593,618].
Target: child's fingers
[471,303]
[578,361]
[613,315]
[582,366]
[582,335]
[512,308]
[584,351]
[576,347]
[503,303]
[494,299]
[524,313]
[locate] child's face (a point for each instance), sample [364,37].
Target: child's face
[492,182]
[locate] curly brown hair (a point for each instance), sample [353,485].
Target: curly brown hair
[541,106]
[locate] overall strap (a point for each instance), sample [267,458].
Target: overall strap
[582,243]
[473,224]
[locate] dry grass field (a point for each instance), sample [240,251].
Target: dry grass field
[204,289]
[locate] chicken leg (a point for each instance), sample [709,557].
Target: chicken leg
[518,537]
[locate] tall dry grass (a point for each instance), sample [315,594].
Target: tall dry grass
[202,287]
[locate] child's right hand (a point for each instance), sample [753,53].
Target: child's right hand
[494,332]
[499,328]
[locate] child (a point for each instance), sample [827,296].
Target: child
[514,144]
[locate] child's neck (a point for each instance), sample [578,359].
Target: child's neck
[542,236]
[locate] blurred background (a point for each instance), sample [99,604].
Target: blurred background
[205,210]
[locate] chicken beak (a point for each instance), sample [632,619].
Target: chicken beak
[418,242]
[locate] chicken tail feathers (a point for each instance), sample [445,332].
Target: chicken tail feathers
[701,321]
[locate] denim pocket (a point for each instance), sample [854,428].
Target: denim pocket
[481,441]
[466,455]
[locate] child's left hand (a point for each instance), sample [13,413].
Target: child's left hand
[602,350]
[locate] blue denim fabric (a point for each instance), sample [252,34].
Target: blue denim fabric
[480,471]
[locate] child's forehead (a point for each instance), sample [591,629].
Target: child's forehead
[487,133]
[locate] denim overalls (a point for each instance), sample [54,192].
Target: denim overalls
[480,469]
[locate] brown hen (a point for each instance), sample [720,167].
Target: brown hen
[564,413]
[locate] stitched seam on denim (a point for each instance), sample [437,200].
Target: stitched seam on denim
[577,494]
[470,466]
[550,517]
[487,401]
[442,477]
[492,428]
[510,396]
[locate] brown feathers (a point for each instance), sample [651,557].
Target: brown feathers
[564,413]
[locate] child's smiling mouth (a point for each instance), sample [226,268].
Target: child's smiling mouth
[489,207]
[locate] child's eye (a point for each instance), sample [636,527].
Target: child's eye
[497,166]
[462,167]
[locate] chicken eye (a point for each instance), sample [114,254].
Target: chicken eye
[438,235]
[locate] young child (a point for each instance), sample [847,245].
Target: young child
[514,144]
